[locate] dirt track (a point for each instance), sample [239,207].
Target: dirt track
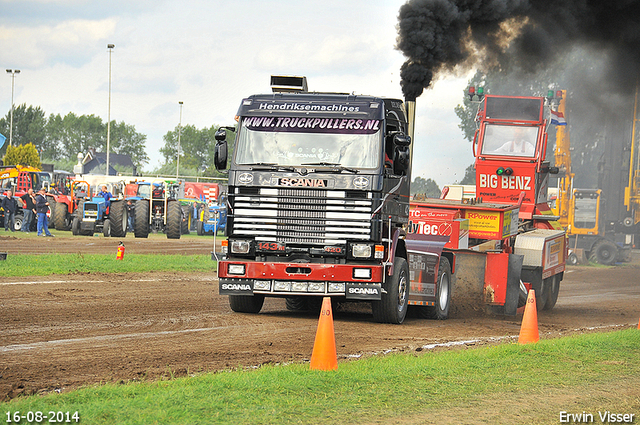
[61,332]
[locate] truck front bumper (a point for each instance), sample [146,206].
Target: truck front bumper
[353,281]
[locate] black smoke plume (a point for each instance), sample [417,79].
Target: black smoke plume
[438,36]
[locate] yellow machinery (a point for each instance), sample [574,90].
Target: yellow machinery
[580,211]
[632,191]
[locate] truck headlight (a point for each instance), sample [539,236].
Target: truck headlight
[316,287]
[262,285]
[361,251]
[282,286]
[362,273]
[336,287]
[237,269]
[299,286]
[240,246]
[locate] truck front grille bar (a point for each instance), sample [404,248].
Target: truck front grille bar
[302,216]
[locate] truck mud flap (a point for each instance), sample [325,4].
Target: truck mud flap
[468,282]
[486,282]
[356,291]
[510,306]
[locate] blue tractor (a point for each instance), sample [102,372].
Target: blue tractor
[212,217]
[96,215]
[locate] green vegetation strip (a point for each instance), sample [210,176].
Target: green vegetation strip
[527,383]
[48,264]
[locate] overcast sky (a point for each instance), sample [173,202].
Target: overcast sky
[211,54]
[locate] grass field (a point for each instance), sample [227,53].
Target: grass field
[506,384]
[47,264]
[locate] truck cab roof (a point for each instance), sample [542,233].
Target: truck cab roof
[321,104]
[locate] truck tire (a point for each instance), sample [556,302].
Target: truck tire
[200,228]
[61,216]
[553,289]
[141,223]
[296,303]
[542,294]
[443,293]
[522,295]
[393,305]
[118,219]
[174,220]
[246,303]
[572,259]
[604,252]
[106,228]
[75,226]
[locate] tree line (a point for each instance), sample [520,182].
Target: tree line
[58,139]
[197,150]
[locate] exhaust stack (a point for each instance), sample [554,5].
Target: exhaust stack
[411,119]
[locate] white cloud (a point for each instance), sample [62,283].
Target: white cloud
[210,55]
[71,42]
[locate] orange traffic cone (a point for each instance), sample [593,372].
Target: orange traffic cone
[529,328]
[324,356]
[638,324]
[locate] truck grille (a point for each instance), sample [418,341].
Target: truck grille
[302,216]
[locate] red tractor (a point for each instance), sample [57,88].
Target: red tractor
[68,202]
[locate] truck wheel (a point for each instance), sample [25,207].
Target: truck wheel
[572,259]
[141,223]
[106,228]
[61,216]
[522,295]
[542,293]
[604,252]
[200,228]
[392,307]
[174,220]
[246,303]
[296,303]
[443,293]
[118,218]
[75,226]
[553,289]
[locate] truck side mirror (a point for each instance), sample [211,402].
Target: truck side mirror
[221,150]
[220,156]
[221,135]
[401,161]
[401,139]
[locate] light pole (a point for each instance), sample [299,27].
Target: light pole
[179,132]
[13,73]
[110,47]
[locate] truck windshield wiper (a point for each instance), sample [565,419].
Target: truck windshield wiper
[269,166]
[335,167]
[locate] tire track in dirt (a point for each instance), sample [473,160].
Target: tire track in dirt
[60,332]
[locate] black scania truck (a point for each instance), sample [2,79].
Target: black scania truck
[318,196]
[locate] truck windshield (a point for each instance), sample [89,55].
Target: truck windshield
[346,142]
[509,140]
